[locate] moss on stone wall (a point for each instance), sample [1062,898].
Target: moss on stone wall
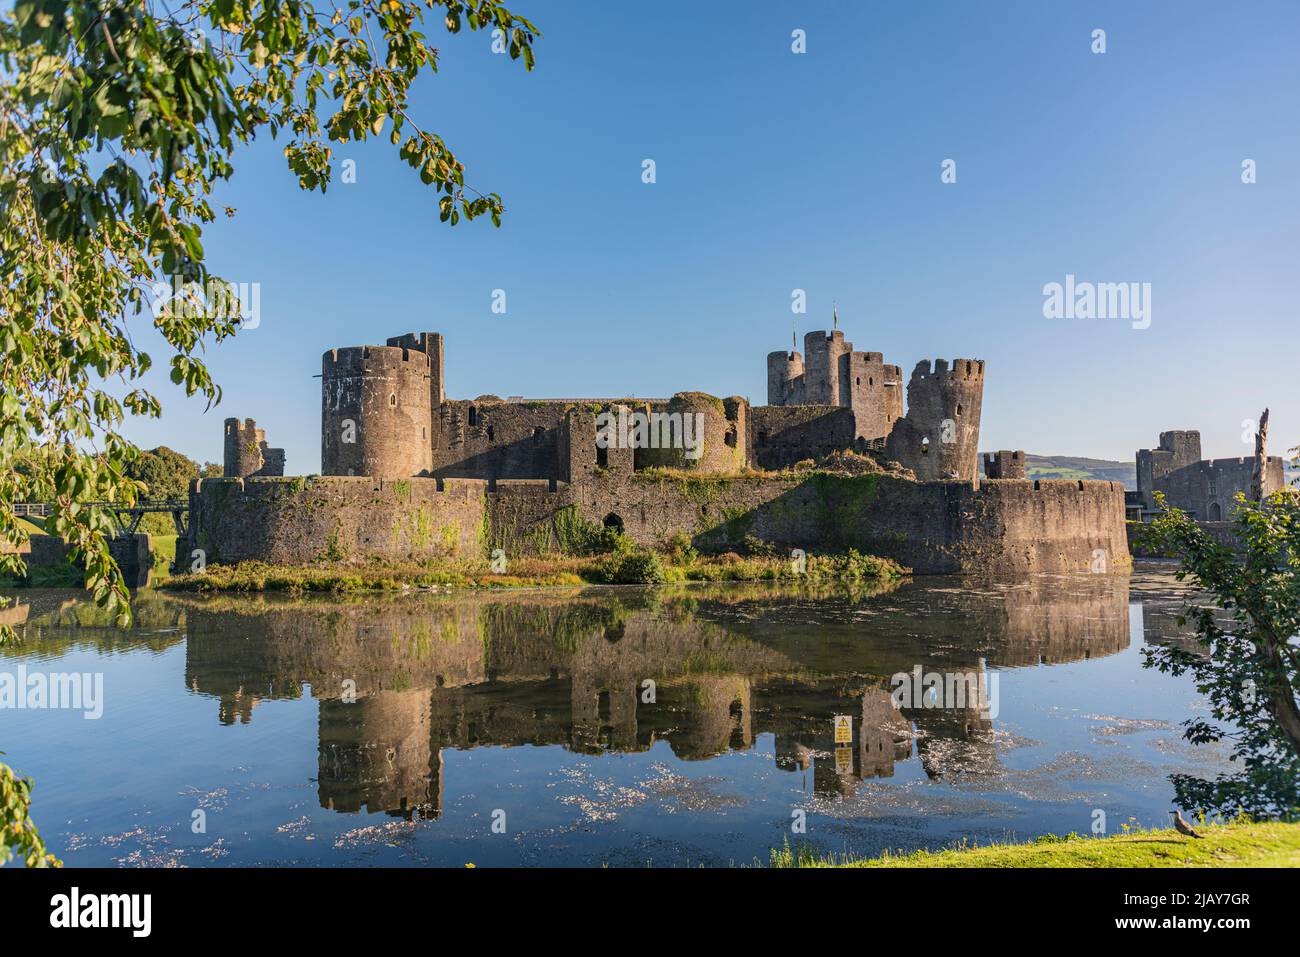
[449,534]
[934,527]
[737,521]
[839,501]
[485,528]
[574,535]
[684,401]
[697,489]
[421,528]
[335,550]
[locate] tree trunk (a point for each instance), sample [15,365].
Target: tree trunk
[1261,459]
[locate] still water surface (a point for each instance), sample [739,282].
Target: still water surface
[672,727]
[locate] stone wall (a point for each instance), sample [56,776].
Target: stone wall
[304,520]
[830,372]
[133,554]
[934,527]
[1207,490]
[780,436]
[785,378]
[1177,448]
[488,439]
[384,413]
[521,515]
[1224,533]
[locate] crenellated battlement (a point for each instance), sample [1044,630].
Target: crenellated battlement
[938,438]
[1005,464]
[957,369]
[1239,462]
[369,360]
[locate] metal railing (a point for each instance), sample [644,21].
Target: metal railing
[127,517]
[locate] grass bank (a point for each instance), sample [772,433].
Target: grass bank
[1232,845]
[164,550]
[624,567]
[71,575]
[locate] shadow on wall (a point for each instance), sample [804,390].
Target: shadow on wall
[933,527]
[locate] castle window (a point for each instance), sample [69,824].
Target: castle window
[959,408]
[730,437]
[858,381]
[602,457]
[871,380]
[392,398]
[925,445]
[615,521]
[473,415]
[491,434]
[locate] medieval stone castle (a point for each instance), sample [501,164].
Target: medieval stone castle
[409,474]
[1204,488]
[384,413]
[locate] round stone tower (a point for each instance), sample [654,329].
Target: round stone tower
[822,379]
[939,437]
[376,412]
[715,433]
[784,370]
[244,443]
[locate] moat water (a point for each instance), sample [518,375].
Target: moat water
[671,727]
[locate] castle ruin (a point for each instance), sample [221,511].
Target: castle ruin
[1004,464]
[1206,489]
[246,453]
[384,413]
[410,474]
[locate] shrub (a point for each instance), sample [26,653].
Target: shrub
[680,548]
[635,567]
[577,536]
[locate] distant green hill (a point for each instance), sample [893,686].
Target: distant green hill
[1078,467]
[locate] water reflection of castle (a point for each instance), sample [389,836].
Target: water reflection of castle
[437,673]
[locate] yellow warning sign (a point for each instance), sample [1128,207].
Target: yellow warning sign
[843,729]
[844,760]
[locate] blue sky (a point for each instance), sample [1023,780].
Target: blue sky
[820,171]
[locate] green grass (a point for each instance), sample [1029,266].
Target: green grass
[625,566]
[1232,845]
[34,525]
[1042,472]
[72,576]
[164,550]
